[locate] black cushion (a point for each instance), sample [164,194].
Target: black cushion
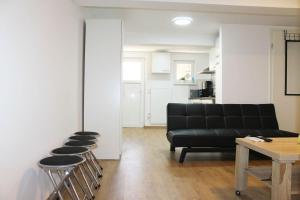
[268,116]
[61,160]
[191,137]
[196,122]
[177,122]
[225,137]
[218,137]
[87,133]
[232,109]
[70,150]
[215,122]
[246,132]
[267,110]
[269,122]
[176,109]
[82,137]
[234,122]
[252,122]
[214,110]
[195,110]
[249,110]
[80,143]
[282,133]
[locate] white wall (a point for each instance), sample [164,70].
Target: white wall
[103,84]
[40,84]
[287,107]
[179,93]
[245,63]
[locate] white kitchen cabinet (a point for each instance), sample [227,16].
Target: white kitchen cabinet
[161,63]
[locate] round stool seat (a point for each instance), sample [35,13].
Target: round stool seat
[69,150]
[87,133]
[83,137]
[61,161]
[80,143]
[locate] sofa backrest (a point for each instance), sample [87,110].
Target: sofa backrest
[214,116]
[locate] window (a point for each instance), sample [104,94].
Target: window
[132,70]
[184,71]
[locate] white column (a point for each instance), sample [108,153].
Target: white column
[103,52]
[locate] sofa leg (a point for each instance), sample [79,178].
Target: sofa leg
[172,148]
[182,155]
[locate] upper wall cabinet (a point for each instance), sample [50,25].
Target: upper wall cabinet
[161,63]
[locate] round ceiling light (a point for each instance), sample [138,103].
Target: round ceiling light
[182,21]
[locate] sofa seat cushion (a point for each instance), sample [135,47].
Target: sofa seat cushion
[202,137]
[218,137]
[264,132]
[281,133]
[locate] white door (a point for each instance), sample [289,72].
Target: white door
[133,92]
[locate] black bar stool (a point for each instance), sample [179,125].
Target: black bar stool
[63,167]
[83,137]
[81,151]
[90,133]
[89,155]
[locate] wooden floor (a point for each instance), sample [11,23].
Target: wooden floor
[149,171]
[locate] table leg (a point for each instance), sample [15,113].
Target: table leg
[241,164]
[281,180]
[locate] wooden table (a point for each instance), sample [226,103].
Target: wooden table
[284,152]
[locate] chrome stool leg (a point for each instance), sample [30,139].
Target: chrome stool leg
[67,186]
[73,188]
[86,182]
[93,175]
[54,184]
[83,188]
[96,164]
[97,161]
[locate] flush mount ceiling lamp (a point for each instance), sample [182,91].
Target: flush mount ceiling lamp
[182,21]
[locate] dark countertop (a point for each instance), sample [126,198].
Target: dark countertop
[202,98]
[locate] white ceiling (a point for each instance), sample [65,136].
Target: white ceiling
[153,27]
[273,7]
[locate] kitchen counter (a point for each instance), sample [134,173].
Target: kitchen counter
[211,100]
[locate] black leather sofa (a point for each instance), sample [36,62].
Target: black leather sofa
[214,127]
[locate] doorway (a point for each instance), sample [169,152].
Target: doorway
[133,92]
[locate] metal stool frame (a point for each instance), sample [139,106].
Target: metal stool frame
[64,172]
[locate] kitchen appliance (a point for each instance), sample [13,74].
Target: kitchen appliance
[207,86]
[194,94]
[198,93]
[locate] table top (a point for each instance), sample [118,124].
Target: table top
[282,149]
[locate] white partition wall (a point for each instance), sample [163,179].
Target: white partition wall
[245,64]
[102,105]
